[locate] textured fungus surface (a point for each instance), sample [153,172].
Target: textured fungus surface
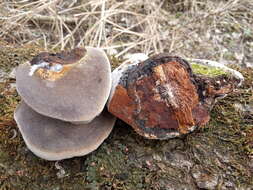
[161,97]
[78,95]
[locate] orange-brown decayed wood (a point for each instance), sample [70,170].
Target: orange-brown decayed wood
[160,102]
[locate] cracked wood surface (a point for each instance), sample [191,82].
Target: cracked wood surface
[159,98]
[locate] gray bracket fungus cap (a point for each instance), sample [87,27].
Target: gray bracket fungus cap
[53,139]
[77,96]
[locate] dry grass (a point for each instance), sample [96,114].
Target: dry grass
[192,28]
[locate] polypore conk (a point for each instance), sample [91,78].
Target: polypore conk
[69,86]
[157,97]
[162,98]
[53,139]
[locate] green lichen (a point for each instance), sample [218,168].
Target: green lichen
[208,71]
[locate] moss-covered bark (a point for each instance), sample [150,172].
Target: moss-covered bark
[214,157]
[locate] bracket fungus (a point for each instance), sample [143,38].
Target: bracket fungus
[53,139]
[162,98]
[69,86]
[63,97]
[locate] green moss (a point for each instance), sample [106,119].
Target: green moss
[12,56]
[208,71]
[115,62]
